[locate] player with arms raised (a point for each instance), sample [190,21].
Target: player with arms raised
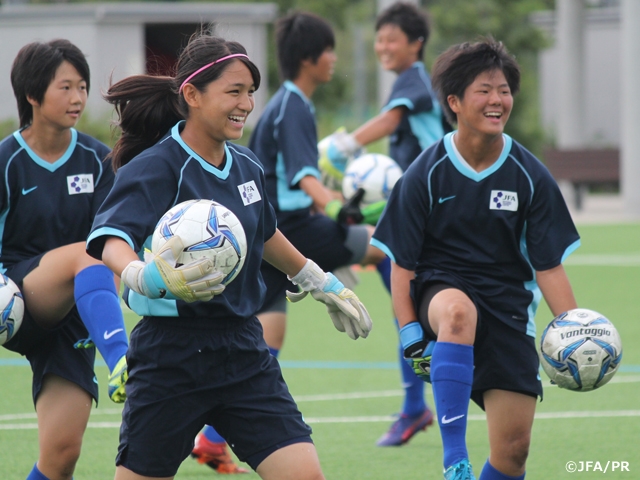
[477,230]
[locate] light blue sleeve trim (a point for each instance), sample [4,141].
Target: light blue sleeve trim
[427,127]
[398,102]
[570,249]
[306,171]
[110,232]
[384,248]
[159,307]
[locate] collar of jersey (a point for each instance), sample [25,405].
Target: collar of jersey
[223,174]
[292,87]
[466,171]
[52,167]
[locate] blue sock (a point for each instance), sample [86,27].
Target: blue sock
[36,474]
[452,377]
[414,402]
[274,351]
[384,268]
[490,473]
[99,307]
[212,435]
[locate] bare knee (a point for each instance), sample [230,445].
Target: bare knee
[458,321]
[512,456]
[58,460]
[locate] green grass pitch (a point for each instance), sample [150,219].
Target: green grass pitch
[348,390]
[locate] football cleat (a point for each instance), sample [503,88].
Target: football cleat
[215,455]
[117,380]
[459,471]
[403,429]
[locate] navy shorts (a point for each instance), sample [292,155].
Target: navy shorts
[504,358]
[52,351]
[183,376]
[329,244]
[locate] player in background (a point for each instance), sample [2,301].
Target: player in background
[477,230]
[285,140]
[413,120]
[198,355]
[54,179]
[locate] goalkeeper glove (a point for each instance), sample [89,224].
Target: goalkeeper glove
[348,213]
[372,213]
[158,277]
[335,151]
[417,350]
[345,309]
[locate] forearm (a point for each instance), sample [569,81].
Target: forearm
[117,254]
[379,126]
[280,253]
[320,194]
[556,289]
[400,294]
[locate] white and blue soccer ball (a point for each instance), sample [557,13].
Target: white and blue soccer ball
[208,230]
[12,306]
[375,173]
[580,350]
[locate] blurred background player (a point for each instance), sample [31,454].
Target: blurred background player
[477,229]
[285,140]
[198,355]
[413,120]
[54,179]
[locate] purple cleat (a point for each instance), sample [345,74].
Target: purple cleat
[403,429]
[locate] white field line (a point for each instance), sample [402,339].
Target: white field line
[604,259]
[345,396]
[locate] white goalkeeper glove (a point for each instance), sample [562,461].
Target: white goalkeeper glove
[345,309]
[158,277]
[335,151]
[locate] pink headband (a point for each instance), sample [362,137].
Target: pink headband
[210,65]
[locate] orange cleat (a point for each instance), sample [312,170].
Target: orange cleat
[216,455]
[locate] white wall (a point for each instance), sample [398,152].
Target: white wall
[602,83]
[112,38]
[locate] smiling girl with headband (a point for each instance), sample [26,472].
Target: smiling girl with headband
[199,358]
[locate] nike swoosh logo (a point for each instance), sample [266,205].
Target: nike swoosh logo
[28,190]
[444,199]
[108,335]
[444,420]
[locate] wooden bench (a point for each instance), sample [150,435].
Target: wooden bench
[584,168]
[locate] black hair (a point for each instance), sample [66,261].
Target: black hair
[301,36]
[410,19]
[148,106]
[457,67]
[34,68]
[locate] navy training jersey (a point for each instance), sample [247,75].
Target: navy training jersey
[421,126]
[489,230]
[286,142]
[47,205]
[169,173]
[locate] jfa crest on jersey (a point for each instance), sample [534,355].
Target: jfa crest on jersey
[81,183]
[504,200]
[249,192]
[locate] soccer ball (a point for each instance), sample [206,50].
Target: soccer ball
[375,173]
[208,230]
[581,350]
[12,306]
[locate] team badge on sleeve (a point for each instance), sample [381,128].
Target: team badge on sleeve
[503,200]
[249,192]
[80,183]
